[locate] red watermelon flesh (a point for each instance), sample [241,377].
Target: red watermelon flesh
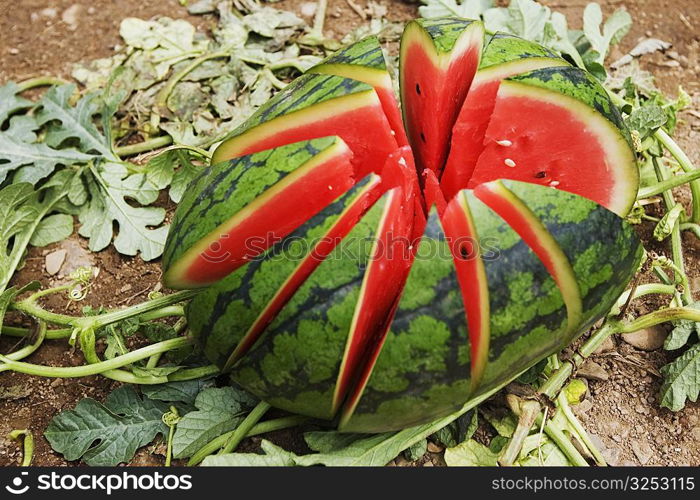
[470,128]
[387,271]
[530,138]
[433,88]
[363,127]
[272,216]
[471,275]
[346,221]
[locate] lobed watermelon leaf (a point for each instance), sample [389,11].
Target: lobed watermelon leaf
[219,410]
[107,434]
[681,380]
[470,454]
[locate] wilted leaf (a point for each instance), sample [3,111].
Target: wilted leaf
[681,380]
[470,454]
[665,226]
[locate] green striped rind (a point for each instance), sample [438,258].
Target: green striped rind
[367,53]
[295,364]
[220,316]
[444,31]
[528,316]
[579,84]
[223,189]
[603,249]
[503,48]
[422,371]
[307,90]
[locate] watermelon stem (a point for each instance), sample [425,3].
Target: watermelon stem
[676,242]
[687,166]
[261,428]
[581,434]
[242,430]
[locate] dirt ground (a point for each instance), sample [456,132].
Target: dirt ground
[44,37]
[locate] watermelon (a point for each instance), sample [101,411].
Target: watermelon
[438,60]
[379,279]
[505,55]
[589,131]
[364,61]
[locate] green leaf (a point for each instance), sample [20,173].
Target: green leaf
[21,211]
[614,29]
[681,380]
[219,410]
[52,229]
[647,119]
[273,456]
[139,228]
[177,392]
[561,41]
[547,454]
[10,102]
[109,434]
[417,450]
[72,122]
[665,226]
[470,454]
[505,426]
[460,430]
[18,148]
[528,19]
[682,330]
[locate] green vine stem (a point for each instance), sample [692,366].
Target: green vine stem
[672,182]
[28,350]
[563,404]
[527,412]
[164,94]
[40,81]
[27,444]
[102,367]
[562,442]
[144,146]
[170,419]
[244,427]
[261,428]
[687,166]
[15,331]
[676,242]
[32,308]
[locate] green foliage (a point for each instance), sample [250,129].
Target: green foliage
[109,434]
[533,21]
[470,454]
[681,380]
[219,410]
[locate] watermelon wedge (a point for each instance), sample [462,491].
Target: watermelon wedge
[438,60]
[589,133]
[504,56]
[317,106]
[364,61]
[380,280]
[234,211]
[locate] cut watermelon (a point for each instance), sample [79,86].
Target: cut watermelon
[471,274]
[240,225]
[557,127]
[518,216]
[410,287]
[438,60]
[317,106]
[505,55]
[364,61]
